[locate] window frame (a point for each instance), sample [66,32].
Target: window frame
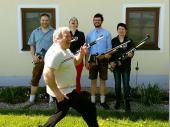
[155,45]
[26,47]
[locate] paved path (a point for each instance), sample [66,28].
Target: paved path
[136,107]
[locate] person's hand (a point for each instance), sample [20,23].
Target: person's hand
[60,97]
[83,49]
[87,65]
[119,63]
[42,59]
[112,65]
[36,59]
[130,54]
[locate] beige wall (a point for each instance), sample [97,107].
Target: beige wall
[13,61]
[17,63]
[155,62]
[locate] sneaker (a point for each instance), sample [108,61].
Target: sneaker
[28,104]
[105,105]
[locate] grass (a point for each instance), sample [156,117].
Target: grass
[145,117]
[33,118]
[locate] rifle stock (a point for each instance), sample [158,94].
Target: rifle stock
[111,51]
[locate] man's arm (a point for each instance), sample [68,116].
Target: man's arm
[34,57]
[78,58]
[32,50]
[49,78]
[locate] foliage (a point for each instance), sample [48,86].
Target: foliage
[20,94]
[150,94]
[146,94]
[13,94]
[135,93]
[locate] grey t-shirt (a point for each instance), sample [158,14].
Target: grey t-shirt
[63,63]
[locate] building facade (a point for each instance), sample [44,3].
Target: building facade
[16,63]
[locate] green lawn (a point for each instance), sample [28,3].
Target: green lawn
[32,118]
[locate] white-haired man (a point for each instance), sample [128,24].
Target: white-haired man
[59,75]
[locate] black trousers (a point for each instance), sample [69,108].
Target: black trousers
[80,104]
[125,75]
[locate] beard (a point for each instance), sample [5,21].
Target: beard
[97,25]
[45,25]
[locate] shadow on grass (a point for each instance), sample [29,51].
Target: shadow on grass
[134,116]
[103,114]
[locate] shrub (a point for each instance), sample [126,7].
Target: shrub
[20,94]
[150,94]
[13,94]
[135,93]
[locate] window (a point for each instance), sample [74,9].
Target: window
[30,21]
[142,21]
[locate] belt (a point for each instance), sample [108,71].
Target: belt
[95,54]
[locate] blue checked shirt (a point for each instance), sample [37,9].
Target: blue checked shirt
[41,40]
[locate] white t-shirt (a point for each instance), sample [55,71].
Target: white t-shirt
[63,63]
